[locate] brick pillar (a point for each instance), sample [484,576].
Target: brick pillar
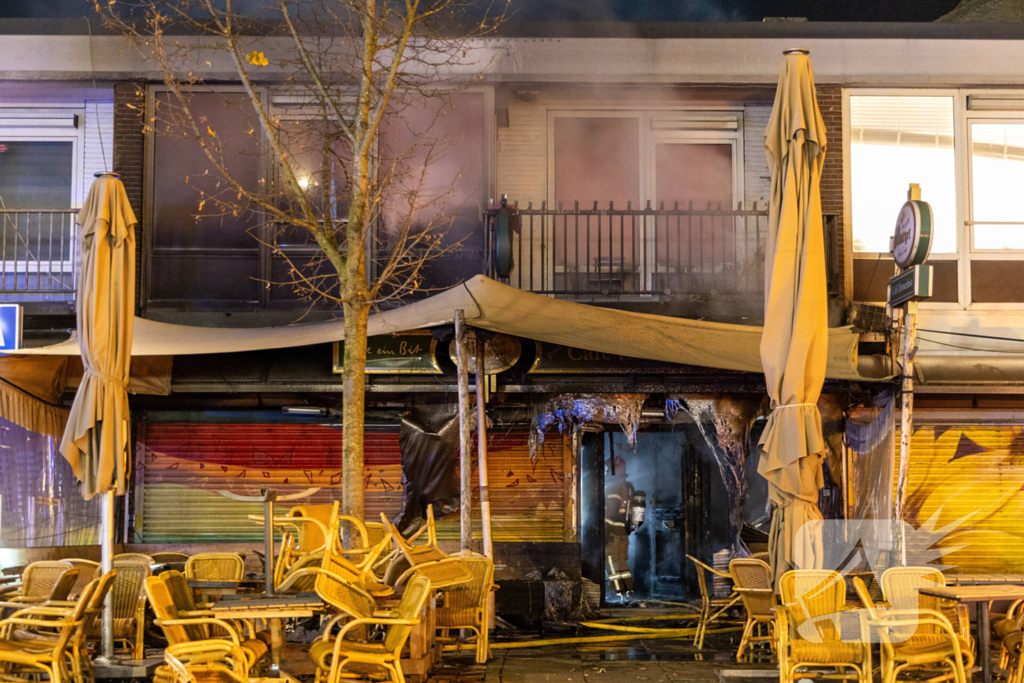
[830,101]
[129,158]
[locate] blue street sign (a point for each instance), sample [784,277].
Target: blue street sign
[10,327]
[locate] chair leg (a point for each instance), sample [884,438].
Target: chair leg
[745,639]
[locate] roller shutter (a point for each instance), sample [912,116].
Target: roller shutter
[184,467]
[965,495]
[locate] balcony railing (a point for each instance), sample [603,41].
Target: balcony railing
[622,254]
[38,254]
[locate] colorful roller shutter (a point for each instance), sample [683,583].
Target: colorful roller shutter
[184,467]
[965,497]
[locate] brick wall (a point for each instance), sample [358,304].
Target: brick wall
[129,158]
[830,101]
[757,182]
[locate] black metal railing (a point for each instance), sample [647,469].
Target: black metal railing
[38,252]
[677,251]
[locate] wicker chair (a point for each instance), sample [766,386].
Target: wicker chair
[182,623]
[385,654]
[55,610]
[315,535]
[901,586]
[215,567]
[753,582]
[429,560]
[140,558]
[49,655]
[711,607]
[39,579]
[808,629]
[128,598]
[465,606]
[297,579]
[86,573]
[899,654]
[204,661]
[169,557]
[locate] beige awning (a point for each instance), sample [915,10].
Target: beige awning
[500,308]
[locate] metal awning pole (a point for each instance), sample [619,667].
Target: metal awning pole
[481,431]
[906,425]
[269,495]
[465,440]
[106,565]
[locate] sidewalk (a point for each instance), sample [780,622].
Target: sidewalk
[648,661]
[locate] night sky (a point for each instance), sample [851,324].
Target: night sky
[619,10]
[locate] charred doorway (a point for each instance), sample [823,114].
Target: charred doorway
[685,512]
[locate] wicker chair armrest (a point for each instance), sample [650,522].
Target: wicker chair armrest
[375,621]
[226,625]
[916,617]
[425,565]
[782,631]
[189,614]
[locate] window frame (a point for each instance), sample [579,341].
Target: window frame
[848,218]
[149,179]
[649,138]
[73,134]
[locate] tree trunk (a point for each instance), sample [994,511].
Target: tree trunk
[353,414]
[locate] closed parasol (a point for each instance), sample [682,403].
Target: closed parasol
[794,345]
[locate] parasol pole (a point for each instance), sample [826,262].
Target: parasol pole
[107,534]
[107,565]
[465,440]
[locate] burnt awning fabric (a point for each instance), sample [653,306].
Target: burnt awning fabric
[493,306]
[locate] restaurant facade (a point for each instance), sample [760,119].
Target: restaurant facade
[629,167]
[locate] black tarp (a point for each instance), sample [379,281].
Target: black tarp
[429,446]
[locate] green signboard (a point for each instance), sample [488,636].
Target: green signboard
[409,353]
[910,285]
[555,359]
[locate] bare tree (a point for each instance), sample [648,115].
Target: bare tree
[353,64]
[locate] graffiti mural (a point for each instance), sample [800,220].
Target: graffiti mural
[969,481]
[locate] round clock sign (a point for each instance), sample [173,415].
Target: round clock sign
[912,241]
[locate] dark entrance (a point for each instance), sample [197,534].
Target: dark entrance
[686,511]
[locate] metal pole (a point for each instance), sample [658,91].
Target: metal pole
[268,540]
[906,423]
[106,565]
[909,348]
[465,442]
[481,431]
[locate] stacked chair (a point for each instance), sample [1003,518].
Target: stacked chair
[808,629]
[186,623]
[128,598]
[427,559]
[711,607]
[86,573]
[50,639]
[752,579]
[39,580]
[465,605]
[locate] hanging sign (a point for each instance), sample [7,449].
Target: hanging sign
[408,353]
[910,285]
[912,241]
[10,327]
